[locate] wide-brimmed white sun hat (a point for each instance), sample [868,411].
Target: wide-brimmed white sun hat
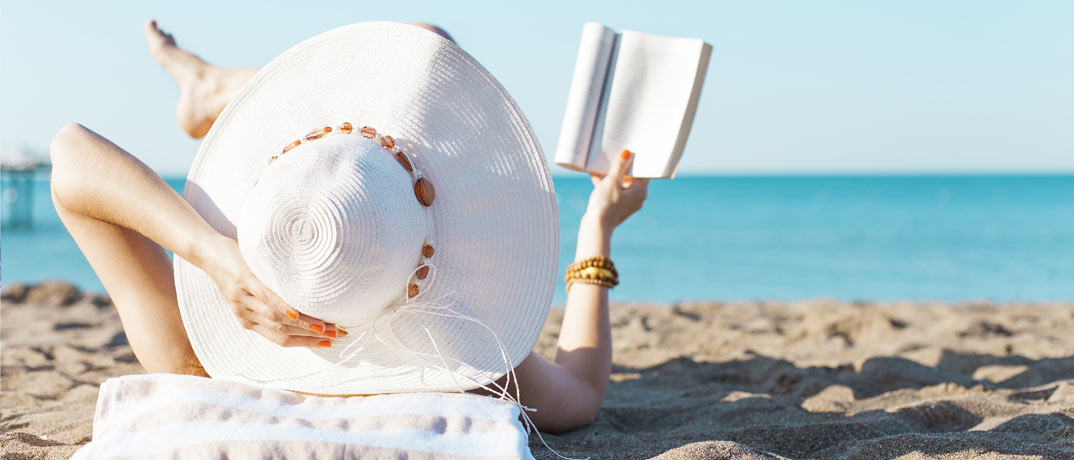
[377,177]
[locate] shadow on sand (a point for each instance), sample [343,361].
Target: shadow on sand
[889,407]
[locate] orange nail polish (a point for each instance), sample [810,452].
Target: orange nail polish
[331,334]
[317,328]
[625,154]
[324,343]
[292,315]
[342,332]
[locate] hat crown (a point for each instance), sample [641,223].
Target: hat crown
[333,228]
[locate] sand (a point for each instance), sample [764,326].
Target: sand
[704,380]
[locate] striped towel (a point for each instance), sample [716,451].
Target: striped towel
[176,416]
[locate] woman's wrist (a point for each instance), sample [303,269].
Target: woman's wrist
[597,222]
[205,250]
[594,238]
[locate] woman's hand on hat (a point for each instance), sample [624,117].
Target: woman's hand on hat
[256,306]
[616,196]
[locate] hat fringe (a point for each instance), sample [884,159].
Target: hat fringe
[503,391]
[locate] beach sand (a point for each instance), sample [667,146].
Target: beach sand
[705,380]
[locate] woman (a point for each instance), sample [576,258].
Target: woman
[123,216]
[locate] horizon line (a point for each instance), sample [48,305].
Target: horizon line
[569,174]
[805,174]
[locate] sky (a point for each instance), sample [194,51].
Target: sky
[792,87]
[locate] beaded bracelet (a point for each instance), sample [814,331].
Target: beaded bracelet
[601,262]
[593,271]
[588,281]
[597,270]
[595,261]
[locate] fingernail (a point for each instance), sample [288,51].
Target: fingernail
[625,154]
[292,315]
[330,333]
[317,328]
[324,343]
[342,332]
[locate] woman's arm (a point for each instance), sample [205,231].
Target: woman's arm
[93,177]
[567,392]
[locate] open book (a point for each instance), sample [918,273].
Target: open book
[631,91]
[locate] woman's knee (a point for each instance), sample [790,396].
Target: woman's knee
[66,140]
[64,155]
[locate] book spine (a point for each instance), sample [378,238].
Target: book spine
[583,101]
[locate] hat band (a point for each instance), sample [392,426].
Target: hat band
[423,188]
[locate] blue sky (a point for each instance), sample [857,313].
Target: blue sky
[792,87]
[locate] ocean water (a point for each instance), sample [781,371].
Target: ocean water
[944,238]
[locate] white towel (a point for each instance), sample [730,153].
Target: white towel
[176,416]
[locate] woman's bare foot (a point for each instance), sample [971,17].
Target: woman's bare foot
[204,89]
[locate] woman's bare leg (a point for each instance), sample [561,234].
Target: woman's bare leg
[205,89]
[135,271]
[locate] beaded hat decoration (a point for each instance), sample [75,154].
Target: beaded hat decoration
[440,288]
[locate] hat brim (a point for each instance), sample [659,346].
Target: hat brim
[495,221]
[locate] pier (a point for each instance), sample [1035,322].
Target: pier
[18,169]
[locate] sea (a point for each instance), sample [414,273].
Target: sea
[724,238]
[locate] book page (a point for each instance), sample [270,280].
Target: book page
[652,83]
[691,110]
[583,101]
